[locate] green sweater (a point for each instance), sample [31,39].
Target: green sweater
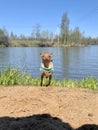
[50,69]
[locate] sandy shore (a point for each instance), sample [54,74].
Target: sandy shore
[72,105]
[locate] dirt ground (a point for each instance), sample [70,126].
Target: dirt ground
[72,105]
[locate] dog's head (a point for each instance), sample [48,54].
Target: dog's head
[46,57]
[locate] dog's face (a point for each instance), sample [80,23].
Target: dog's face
[46,57]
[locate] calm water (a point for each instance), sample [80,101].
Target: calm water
[71,63]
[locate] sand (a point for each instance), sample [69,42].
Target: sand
[25,104]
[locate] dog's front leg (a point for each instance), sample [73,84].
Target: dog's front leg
[42,76]
[50,77]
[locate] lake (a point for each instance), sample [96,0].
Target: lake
[69,62]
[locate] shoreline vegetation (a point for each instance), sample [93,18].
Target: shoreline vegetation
[42,43]
[39,43]
[12,77]
[36,43]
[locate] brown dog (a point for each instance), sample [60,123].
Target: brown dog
[46,67]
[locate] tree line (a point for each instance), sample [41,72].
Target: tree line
[64,36]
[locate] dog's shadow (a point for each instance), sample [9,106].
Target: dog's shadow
[39,122]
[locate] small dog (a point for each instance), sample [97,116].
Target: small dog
[46,67]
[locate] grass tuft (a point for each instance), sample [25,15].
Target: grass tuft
[11,77]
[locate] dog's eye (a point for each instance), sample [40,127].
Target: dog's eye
[49,56]
[42,56]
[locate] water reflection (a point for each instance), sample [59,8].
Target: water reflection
[71,63]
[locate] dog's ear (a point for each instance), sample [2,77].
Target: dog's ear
[51,54]
[41,54]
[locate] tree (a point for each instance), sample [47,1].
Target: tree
[36,32]
[13,36]
[77,35]
[64,28]
[22,37]
[51,36]
[45,35]
[4,38]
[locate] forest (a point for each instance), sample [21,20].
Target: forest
[44,38]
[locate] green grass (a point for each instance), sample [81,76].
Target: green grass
[11,77]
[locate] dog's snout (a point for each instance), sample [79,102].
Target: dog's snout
[46,58]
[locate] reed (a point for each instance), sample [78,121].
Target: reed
[11,77]
[89,82]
